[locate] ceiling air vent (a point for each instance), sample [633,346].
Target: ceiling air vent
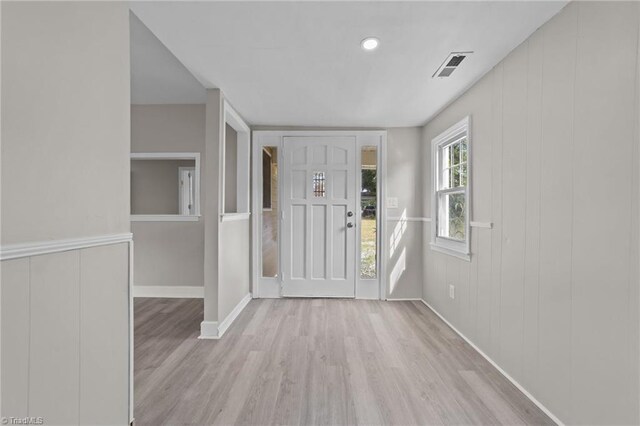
[451,63]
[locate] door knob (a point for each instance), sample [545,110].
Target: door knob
[349,214]
[349,225]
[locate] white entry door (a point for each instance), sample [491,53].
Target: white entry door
[319,207]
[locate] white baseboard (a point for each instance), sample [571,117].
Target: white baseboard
[209,330]
[224,325]
[408,299]
[215,330]
[188,292]
[497,367]
[367,289]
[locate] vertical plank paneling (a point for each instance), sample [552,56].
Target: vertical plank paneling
[556,211]
[532,219]
[496,208]
[104,300]
[441,271]
[440,282]
[462,287]
[484,290]
[480,184]
[479,106]
[15,337]
[55,331]
[555,168]
[482,127]
[634,253]
[514,209]
[452,278]
[607,33]
[473,289]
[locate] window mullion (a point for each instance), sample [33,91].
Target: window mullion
[456,190]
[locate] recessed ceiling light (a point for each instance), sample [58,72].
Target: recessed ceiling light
[370,43]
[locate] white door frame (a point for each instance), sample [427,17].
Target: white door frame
[265,287]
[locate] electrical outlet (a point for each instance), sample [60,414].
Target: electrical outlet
[392,203]
[452,291]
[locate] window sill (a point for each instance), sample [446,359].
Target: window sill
[229,217]
[164,218]
[450,252]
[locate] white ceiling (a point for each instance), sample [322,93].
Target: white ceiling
[300,63]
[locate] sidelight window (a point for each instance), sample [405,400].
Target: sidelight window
[269,235]
[368,212]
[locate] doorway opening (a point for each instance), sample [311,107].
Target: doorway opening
[319,216]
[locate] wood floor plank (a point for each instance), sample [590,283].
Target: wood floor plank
[317,362]
[500,408]
[242,386]
[366,409]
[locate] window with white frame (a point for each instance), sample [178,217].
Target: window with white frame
[450,190]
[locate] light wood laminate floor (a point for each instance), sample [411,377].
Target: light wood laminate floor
[315,361]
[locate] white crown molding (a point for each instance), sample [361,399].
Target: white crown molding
[215,330]
[16,251]
[169,291]
[497,367]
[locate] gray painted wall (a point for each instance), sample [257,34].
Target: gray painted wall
[169,253]
[214,123]
[65,174]
[154,186]
[44,100]
[235,265]
[227,244]
[173,253]
[551,293]
[404,182]
[230,170]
